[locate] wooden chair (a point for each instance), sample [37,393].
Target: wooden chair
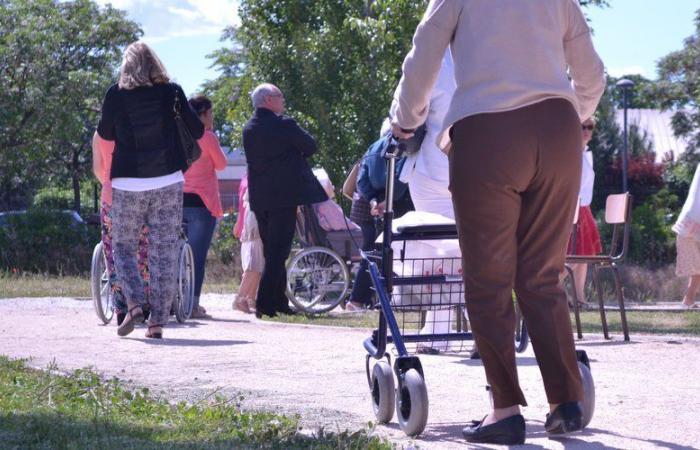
[618,214]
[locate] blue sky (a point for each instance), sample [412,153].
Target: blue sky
[630,36]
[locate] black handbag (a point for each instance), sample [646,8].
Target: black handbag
[188,145]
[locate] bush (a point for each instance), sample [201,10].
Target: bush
[226,248]
[46,241]
[62,198]
[652,242]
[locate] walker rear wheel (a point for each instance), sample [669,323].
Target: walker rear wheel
[412,403]
[588,403]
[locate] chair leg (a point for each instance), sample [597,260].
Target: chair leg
[577,314]
[621,301]
[601,304]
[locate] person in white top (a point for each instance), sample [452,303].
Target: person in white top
[427,175]
[526,76]
[587,236]
[687,229]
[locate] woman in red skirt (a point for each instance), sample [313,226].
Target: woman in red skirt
[587,237]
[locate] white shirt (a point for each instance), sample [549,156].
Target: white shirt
[507,54]
[147,184]
[587,179]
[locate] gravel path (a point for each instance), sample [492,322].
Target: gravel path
[648,391]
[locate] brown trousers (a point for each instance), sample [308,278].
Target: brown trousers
[514,178]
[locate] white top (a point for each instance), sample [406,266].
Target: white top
[507,54]
[688,223]
[587,179]
[147,184]
[430,161]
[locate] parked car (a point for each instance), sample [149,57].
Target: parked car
[71,216]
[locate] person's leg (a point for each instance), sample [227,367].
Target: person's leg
[580,271]
[200,229]
[285,226]
[543,231]
[265,300]
[493,158]
[119,301]
[164,219]
[692,291]
[361,294]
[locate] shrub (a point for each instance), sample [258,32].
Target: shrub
[46,241]
[225,246]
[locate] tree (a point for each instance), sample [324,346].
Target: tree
[679,87]
[643,95]
[56,60]
[337,61]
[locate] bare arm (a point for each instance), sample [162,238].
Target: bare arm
[97,161]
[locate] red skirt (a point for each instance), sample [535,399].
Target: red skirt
[587,236]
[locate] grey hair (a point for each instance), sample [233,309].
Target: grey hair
[261,92]
[141,67]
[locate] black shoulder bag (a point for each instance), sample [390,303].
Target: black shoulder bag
[188,145]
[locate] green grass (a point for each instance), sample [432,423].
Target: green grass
[36,285]
[44,410]
[648,322]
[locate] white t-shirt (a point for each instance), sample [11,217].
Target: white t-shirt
[587,178]
[147,184]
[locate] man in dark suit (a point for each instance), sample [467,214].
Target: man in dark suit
[279,180]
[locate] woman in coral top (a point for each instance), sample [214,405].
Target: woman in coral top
[201,199]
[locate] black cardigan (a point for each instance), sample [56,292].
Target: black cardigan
[142,123]
[276,148]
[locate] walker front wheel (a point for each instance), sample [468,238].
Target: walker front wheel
[412,403]
[383,392]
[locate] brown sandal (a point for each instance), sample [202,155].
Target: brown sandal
[157,332]
[134,315]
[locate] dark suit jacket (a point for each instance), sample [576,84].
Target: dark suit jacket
[276,148]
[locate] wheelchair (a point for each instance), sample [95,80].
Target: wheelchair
[103,296]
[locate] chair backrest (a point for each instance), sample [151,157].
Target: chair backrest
[618,214]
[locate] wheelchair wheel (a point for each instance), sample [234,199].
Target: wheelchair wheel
[317,280]
[412,403]
[383,392]
[588,403]
[99,283]
[185,284]
[522,338]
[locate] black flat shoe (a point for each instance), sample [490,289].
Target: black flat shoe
[260,314]
[508,431]
[566,418]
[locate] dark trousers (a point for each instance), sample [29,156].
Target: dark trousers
[276,231]
[514,178]
[362,287]
[200,228]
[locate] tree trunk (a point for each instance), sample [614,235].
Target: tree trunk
[76,182]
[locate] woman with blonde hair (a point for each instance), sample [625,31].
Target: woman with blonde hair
[138,114]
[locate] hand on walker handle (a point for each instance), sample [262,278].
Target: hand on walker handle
[378,210]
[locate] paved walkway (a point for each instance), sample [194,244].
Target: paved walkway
[648,391]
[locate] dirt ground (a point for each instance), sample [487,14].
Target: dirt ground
[648,390]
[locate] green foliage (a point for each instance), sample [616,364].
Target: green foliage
[679,86]
[46,241]
[651,242]
[42,409]
[224,245]
[642,95]
[56,60]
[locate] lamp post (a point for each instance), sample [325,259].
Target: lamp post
[625,85]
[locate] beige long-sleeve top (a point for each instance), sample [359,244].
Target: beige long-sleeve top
[507,54]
